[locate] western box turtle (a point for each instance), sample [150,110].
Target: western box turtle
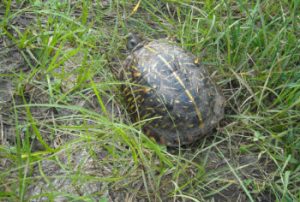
[170,89]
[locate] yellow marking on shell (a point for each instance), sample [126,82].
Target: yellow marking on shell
[187,92]
[150,49]
[182,84]
[196,61]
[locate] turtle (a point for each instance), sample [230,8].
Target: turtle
[170,91]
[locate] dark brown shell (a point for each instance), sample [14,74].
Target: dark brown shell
[173,93]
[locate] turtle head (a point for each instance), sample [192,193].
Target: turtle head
[132,41]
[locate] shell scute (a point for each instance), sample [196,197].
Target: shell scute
[177,89]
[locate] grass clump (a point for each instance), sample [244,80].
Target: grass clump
[65,133]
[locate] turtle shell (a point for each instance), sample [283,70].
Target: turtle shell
[172,92]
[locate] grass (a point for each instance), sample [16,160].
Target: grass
[65,132]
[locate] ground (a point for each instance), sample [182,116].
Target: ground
[65,134]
